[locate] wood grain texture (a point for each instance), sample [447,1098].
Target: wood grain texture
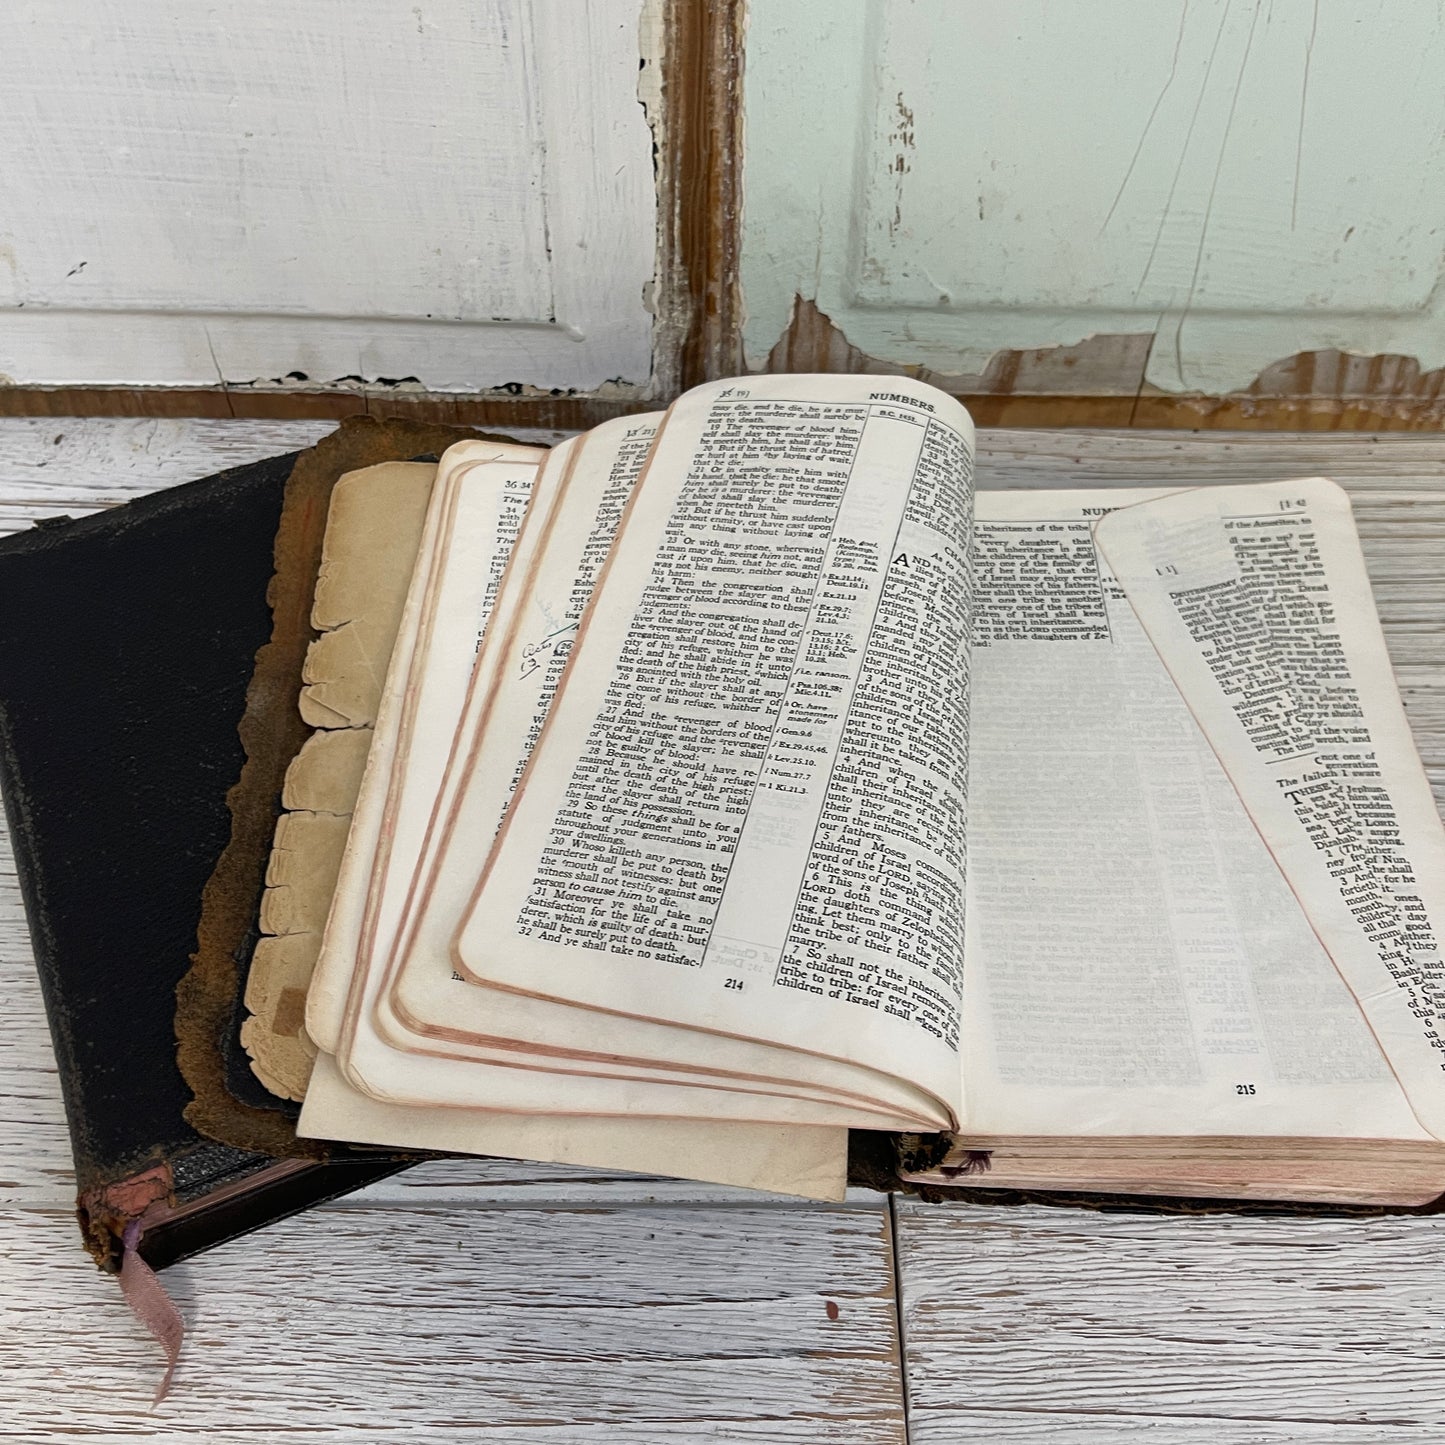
[1099,1316]
[449,1323]
[487,1301]
[1049,1427]
[67,466]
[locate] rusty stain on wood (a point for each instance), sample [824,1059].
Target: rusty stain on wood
[1099,382]
[490,409]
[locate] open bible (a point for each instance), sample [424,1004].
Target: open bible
[741,777]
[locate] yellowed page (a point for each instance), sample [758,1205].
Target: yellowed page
[755,761]
[1137,964]
[808,1162]
[1258,602]
[373,530]
[326,995]
[475,527]
[564,541]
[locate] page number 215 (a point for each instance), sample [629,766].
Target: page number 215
[1244,1088]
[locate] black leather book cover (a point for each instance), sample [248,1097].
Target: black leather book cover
[128,644]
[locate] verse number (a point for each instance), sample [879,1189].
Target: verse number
[1244,1088]
[736,983]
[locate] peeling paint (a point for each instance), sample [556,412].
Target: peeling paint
[1100,381]
[1111,363]
[903,139]
[668,324]
[614,389]
[205,221]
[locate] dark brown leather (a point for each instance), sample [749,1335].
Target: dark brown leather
[230,1104]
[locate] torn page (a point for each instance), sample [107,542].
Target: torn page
[1137,964]
[772,672]
[457,598]
[360,699]
[1258,602]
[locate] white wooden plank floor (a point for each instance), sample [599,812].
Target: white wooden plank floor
[478,1301]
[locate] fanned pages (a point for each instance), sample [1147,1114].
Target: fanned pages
[805,1162]
[554,566]
[786,599]
[474,533]
[477,505]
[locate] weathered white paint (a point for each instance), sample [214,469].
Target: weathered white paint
[949,178]
[452,1324]
[478,1301]
[1026,1321]
[459,191]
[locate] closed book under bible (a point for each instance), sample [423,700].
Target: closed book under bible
[128,645]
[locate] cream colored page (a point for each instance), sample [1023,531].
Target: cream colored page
[374,524]
[1258,602]
[808,1162]
[330,981]
[755,761]
[471,548]
[374,527]
[1137,963]
[516,673]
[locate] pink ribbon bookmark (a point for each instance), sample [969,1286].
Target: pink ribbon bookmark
[150,1304]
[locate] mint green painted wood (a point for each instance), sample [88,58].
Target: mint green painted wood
[1237,181]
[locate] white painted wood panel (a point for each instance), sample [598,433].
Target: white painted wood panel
[456,191]
[1237,181]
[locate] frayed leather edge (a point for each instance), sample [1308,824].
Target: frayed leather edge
[104,1211]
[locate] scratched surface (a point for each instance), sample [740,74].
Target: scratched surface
[492,1302]
[1187,191]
